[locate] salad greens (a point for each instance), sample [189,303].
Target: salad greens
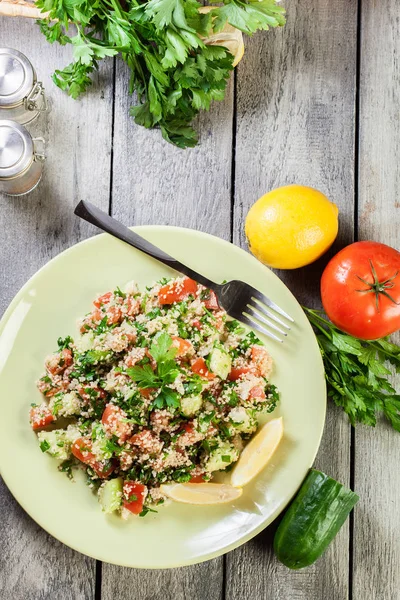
[172,71]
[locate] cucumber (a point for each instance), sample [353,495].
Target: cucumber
[110,495]
[313,519]
[220,363]
[191,405]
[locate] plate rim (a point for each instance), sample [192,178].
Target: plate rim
[264,524]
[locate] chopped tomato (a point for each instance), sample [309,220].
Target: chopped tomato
[133,496]
[210,300]
[82,450]
[115,422]
[199,366]
[196,324]
[257,392]
[104,299]
[41,416]
[262,360]
[175,292]
[196,479]
[57,363]
[146,392]
[187,427]
[183,346]
[132,306]
[114,315]
[87,393]
[237,372]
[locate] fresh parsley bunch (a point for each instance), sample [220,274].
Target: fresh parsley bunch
[173,72]
[357,372]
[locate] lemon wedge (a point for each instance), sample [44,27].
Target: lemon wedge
[201,493]
[257,453]
[230,37]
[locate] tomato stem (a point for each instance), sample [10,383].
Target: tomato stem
[378,287]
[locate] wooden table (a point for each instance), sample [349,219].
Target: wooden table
[317,103]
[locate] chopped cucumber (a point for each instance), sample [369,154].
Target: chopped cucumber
[110,495]
[190,406]
[55,443]
[221,457]
[242,420]
[220,363]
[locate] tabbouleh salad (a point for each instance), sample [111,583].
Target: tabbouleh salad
[160,386]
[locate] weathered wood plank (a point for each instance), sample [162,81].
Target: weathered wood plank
[377,516]
[153,182]
[295,115]
[36,227]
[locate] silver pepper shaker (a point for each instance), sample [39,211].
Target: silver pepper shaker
[21,159]
[22,97]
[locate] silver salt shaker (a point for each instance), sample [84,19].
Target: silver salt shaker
[21,159]
[22,97]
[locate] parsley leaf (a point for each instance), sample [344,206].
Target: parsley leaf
[356,372]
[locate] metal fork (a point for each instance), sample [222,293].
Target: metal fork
[240,300]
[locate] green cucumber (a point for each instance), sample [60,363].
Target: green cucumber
[220,363]
[110,495]
[313,519]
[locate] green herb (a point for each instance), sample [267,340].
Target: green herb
[173,72]
[132,498]
[44,445]
[183,474]
[66,467]
[357,372]
[235,327]
[146,510]
[119,293]
[64,343]
[226,458]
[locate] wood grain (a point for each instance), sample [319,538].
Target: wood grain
[377,516]
[296,125]
[36,227]
[154,182]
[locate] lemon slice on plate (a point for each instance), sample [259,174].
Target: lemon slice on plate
[201,493]
[257,453]
[230,37]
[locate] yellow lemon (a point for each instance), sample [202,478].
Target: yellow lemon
[201,493]
[291,226]
[257,453]
[230,37]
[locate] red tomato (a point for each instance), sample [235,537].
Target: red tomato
[261,360]
[104,299]
[114,421]
[199,366]
[183,346]
[175,292]
[196,324]
[132,306]
[197,479]
[114,315]
[57,363]
[360,290]
[133,496]
[41,416]
[81,449]
[210,300]
[257,392]
[187,427]
[237,372]
[146,392]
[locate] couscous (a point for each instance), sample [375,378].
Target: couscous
[160,386]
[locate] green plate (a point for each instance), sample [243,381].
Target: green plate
[48,306]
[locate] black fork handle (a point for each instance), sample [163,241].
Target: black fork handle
[89,212]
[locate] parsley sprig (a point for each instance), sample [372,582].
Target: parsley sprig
[357,372]
[173,72]
[162,376]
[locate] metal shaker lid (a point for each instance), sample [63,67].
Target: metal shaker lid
[17,76]
[16,149]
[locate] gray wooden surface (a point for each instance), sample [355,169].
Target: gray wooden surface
[314,103]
